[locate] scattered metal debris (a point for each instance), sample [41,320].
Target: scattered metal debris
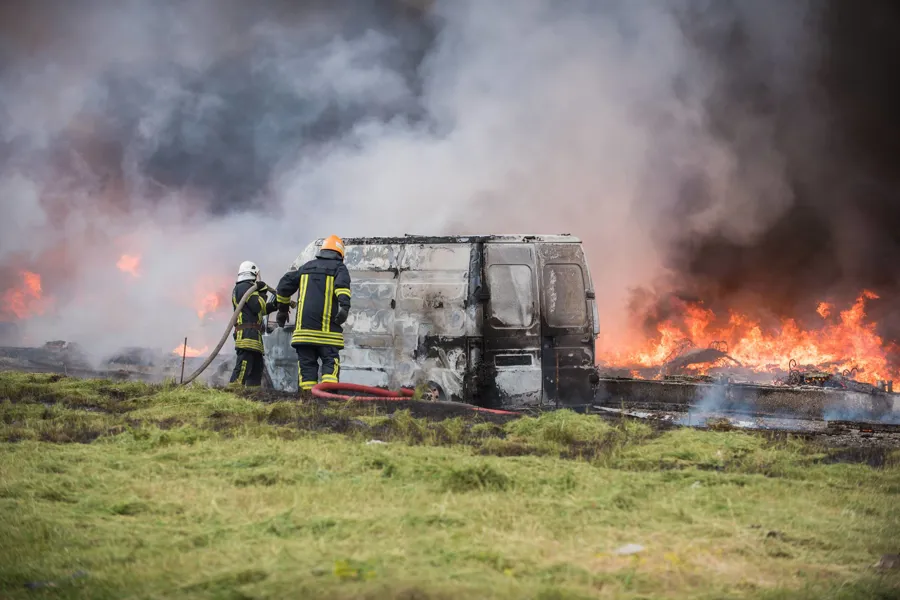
[685,356]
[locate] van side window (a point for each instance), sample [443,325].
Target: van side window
[512,295]
[564,296]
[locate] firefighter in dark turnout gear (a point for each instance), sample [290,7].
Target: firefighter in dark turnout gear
[251,323]
[323,305]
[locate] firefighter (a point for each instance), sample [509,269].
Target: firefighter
[323,305]
[251,323]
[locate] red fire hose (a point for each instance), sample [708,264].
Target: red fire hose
[325,389]
[321,390]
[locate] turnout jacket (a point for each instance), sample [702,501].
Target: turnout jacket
[323,301]
[251,323]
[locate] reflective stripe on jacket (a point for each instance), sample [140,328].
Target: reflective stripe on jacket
[322,286]
[251,322]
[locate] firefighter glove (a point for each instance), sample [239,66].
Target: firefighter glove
[341,316]
[282,317]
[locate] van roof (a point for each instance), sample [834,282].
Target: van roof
[561,238]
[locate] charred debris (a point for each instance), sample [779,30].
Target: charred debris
[708,383]
[127,364]
[713,364]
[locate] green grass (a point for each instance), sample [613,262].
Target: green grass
[126,490]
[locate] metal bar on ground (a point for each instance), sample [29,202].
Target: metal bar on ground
[183,357]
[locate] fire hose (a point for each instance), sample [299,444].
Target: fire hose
[325,391]
[321,390]
[231,323]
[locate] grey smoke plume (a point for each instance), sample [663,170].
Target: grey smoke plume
[199,134]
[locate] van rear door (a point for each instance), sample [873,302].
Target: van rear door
[512,325]
[567,330]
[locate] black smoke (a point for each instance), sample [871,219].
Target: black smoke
[228,121]
[835,122]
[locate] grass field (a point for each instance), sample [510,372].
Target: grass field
[126,490]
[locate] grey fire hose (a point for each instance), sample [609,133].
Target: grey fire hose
[225,335]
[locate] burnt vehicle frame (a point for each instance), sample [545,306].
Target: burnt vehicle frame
[494,320]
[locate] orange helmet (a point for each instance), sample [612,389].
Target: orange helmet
[335,243]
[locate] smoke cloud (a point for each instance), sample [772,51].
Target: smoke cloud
[815,134]
[689,144]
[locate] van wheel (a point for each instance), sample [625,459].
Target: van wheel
[434,393]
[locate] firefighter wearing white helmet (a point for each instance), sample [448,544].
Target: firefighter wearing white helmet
[251,323]
[248,271]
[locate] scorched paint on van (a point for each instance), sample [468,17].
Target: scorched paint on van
[500,320]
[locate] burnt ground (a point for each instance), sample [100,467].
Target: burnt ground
[435,411]
[845,444]
[60,409]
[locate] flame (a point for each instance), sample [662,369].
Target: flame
[25,300]
[191,352]
[210,296]
[846,341]
[130,263]
[208,303]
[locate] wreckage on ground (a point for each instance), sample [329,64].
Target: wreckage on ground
[711,380]
[500,321]
[510,321]
[129,364]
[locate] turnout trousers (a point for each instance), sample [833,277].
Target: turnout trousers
[308,357]
[248,369]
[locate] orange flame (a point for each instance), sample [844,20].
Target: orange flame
[26,300]
[210,295]
[191,352]
[130,263]
[844,342]
[209,303]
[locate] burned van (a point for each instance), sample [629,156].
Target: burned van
[501,320]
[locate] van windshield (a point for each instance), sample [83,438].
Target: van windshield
[564,296]
[512,295]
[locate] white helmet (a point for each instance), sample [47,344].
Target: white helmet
[248,271]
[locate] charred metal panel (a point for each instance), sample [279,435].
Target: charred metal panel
[462,239]
[435,257]
[281,359]
[462,312]
[512,325]
[369,356]
[409,319]
[512,360]
[443,362]
[435,301]
[431,316]
[567,325]
[372,258]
